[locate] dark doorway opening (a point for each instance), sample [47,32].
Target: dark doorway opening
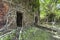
[19,19]
[36,20]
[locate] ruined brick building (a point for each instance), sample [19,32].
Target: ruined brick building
[19,14]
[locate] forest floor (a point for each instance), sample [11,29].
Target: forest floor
[35,33]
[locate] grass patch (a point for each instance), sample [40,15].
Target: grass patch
[33,33]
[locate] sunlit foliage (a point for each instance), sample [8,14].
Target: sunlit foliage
[48,7]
